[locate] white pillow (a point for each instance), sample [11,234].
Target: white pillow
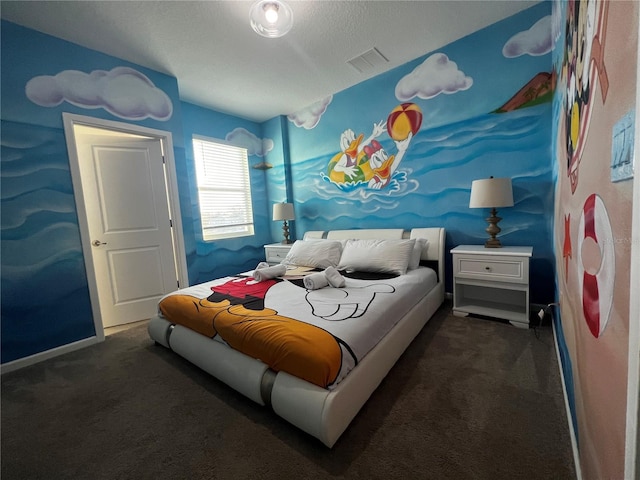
[421,244]
[389,256]
[314,253]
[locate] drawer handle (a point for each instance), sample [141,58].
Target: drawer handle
[487,268]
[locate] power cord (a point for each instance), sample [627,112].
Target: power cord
[548,310]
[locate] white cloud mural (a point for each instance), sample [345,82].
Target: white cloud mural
[122,91]
[436,75]
[254,145]
[536,41]
[310,116]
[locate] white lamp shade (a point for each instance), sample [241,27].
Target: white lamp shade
[271,18]
[491,192]
[283,211]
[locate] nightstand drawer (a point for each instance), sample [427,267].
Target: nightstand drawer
[506,269]
[276,255]
[276,252]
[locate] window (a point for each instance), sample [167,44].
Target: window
[224,190]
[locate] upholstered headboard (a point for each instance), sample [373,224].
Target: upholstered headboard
[433,252]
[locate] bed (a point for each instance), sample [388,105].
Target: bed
[321,398]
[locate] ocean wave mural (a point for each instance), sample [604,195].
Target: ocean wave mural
[432,185]
[43,280]
[462,150]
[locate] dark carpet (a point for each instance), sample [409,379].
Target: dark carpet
[469,399]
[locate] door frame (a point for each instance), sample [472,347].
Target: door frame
[632,434]
[70,121]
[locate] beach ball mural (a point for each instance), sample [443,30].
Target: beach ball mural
[403,119]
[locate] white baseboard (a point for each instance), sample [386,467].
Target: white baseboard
[572,433]
[54,352]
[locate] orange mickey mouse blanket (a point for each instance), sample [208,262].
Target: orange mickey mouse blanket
[317,335]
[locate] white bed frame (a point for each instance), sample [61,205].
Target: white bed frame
[324,414]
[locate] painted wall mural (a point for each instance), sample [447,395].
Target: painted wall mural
[436,75]
[208,260]
[121,91]
[361,163]
[367,162]
[403,148]
[499,119]
[596,86]
[310,116]
[582,70]
[255,145]
[597,267]
[583,65]
[45,294]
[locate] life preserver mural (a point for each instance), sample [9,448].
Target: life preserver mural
[567,251]
[596,268]
[595,262]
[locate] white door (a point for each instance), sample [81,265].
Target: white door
[125,195]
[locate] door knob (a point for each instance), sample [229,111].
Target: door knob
[97,243]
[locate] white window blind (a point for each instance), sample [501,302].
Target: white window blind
[224,189]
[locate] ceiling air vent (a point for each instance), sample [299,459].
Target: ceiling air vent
[368,61]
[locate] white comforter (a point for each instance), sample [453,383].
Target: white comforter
[358,316]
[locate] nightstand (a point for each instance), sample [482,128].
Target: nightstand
[276,252]
[492,282]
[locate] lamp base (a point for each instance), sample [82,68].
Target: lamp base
[493,229]
[492,243]
[285,233]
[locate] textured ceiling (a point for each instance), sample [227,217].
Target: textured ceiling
[221,63]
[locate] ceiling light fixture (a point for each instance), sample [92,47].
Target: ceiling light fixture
[271,18]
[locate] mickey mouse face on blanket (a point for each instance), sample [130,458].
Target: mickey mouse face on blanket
[340,304]
[283,343]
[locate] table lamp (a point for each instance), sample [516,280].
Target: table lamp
[283,212]
[492,193]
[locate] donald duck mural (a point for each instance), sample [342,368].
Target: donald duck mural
[366,163]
